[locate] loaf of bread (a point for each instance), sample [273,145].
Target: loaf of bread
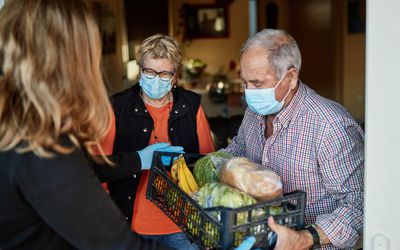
[249,177]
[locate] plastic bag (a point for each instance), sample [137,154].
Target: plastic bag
[249,177]
[216,194]
[207,168]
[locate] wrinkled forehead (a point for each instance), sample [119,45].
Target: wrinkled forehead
[255,62]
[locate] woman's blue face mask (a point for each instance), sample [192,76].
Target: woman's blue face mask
[263,101]
[155,88]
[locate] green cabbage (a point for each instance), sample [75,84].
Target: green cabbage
[207,169]
[217,194]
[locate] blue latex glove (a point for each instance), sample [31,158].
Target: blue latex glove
[146,154]
[247,244]
[166,160]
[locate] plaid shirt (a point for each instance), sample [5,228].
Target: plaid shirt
[316,147]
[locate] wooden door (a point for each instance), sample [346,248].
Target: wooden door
[314,25]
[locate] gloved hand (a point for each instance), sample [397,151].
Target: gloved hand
[146,154]
[247,244]
[166,160]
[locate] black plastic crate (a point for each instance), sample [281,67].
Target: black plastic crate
[219,228]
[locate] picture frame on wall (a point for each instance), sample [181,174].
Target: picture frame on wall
[206,21]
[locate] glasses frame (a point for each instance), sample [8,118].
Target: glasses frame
[156,73]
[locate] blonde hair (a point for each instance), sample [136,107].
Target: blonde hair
[160,46]
[51,86]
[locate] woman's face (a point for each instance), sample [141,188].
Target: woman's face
[157,78]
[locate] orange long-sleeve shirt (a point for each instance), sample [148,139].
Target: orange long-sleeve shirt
[107,145]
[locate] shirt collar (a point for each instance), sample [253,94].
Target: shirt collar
[290,112]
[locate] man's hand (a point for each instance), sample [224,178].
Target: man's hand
[289,239]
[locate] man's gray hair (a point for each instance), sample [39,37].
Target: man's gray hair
[283,51]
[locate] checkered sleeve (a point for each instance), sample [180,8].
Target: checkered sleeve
[341,161]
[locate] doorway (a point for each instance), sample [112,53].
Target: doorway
[316,26]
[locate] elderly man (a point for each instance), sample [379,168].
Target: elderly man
[313,143]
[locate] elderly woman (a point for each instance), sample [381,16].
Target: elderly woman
[155,110]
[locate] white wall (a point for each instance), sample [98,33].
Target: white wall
[382,203]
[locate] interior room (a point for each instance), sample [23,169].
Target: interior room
[333,56]
[349,55]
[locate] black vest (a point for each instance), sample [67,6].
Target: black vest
[133,129]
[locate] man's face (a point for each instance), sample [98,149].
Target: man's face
[256,72]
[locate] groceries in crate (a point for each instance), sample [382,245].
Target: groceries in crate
[231,182]
[249,177]
[207,168]
[227,181]
[181,175]
[215,194]
[239,173]
[204,215]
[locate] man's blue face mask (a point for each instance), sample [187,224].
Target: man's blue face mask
[263,101]
[155,88]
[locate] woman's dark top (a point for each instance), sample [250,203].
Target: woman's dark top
[58,203]
[133,128]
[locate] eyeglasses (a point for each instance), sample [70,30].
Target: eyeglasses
[164,75]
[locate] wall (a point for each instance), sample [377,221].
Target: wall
[216,52]
[382,227]
[283,16]
[113,66]
[353,72]
[113,63]
[350,65]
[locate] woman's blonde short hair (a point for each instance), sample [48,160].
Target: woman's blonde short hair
[160,46]
[51,86]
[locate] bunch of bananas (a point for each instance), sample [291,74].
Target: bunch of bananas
[181,175]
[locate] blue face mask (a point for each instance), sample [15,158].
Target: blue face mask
[263,101]
[155,88]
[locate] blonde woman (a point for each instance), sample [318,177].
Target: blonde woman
[53,110]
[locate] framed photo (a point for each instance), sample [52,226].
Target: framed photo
[206,21]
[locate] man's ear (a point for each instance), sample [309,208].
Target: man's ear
[292,76]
